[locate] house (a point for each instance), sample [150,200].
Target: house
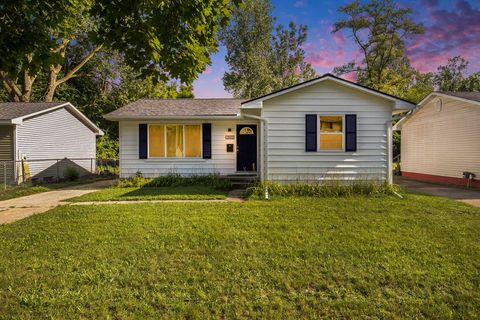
[35,139]
[441,139]
[323,129]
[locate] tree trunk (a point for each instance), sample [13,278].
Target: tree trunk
[27,87]
[52,83]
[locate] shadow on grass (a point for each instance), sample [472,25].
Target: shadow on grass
[178,191]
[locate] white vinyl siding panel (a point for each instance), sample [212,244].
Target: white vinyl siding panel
[442,143]
[222,162]
[287,158]
[55,135]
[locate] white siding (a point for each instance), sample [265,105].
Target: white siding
[55,135]
[442,142]
[285,147]
[222,162]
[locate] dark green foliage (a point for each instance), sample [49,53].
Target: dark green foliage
[107,148]
[333,189]
[158,39]
[297,258]
[175,180]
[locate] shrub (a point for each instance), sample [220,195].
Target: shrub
[71,174]
[334,189]
[175,180]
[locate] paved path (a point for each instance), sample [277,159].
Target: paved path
[15,209]
[470,196]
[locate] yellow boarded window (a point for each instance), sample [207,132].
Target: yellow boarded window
[156,141]
[174,141]
[331,133]
[193,145]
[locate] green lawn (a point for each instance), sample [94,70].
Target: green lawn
[357,257]
[160,193]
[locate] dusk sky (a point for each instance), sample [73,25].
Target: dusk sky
[451,28]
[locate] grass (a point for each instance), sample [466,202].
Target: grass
[354,257]
[148,193]
[24,190]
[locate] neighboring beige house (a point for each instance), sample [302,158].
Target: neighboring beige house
[323,129]
[441,138]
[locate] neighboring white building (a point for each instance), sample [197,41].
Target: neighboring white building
[36,132]
[323,129]
[441,138]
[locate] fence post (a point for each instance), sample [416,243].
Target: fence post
[5,175]
[91,166]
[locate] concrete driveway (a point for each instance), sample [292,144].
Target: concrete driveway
[15,209]
[470,196]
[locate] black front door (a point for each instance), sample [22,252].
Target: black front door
[247,147]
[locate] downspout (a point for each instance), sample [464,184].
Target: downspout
[263,144]
[388,125]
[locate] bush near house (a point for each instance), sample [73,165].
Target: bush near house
[332,189]
[175,180]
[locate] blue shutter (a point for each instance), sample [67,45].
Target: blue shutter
[350,132]
[311,133]
[207,140]
[142,141]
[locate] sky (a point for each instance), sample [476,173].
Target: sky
[451,28]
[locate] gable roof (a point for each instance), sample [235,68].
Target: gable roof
[177,108]
[399,103]
[17,112]
[469,97]
[474,96]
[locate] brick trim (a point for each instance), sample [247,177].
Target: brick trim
[440,179]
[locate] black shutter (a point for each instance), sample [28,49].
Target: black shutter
[142,141]
[311,132]
[207,140]
[351,132]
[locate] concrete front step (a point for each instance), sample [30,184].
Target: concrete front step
[242,181]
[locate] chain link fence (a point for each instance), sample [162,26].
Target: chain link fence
[38,171]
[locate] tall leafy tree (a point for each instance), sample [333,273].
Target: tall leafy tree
[379,28]
[262,57]
[161,39]
[452,76]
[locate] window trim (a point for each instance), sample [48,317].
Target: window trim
[165,157]
[320,133]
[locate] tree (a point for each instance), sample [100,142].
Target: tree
[262,57]
[451,77]
[160,39]
[379,28]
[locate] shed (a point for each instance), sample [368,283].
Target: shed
[40,140]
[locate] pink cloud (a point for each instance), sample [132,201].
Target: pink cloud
[339,38]
[448,34]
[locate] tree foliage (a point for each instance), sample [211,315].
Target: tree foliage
[158,39]
[452,76]
[380,28]
[262,57]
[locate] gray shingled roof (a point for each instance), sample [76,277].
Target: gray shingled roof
[158,108]
[474,96]
[12,110]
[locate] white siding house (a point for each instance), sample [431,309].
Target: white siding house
[49,137]
[323,129]
[441,138]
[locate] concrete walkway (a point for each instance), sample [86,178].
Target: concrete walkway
[18,208]
[470,196]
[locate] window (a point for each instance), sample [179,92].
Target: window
[174,141]
[331,133]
